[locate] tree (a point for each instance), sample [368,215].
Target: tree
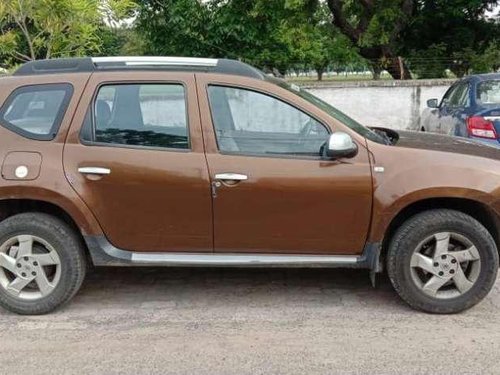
[313,41]
[121,41]
[238,29]
[174,27]
[450,34]
[274,35]
[386,29]
[35,29]
[375,27]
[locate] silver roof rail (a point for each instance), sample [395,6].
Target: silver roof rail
[153,60]
[124,63]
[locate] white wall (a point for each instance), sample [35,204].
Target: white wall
[391,104]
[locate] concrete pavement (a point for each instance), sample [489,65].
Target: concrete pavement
[247,321]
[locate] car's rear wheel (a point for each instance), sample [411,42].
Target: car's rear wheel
[442,261]
[42,263]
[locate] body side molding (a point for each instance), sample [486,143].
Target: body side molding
[103,253]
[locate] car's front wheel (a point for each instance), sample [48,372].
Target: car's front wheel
[442,261]
[42,263]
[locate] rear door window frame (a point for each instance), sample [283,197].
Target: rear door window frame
[89,119]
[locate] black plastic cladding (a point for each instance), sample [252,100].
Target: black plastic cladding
[85,64]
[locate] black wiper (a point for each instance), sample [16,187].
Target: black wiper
[387,136]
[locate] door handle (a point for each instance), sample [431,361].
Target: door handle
[94,170]
[231,176]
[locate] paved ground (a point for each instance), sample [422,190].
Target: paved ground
[213,321]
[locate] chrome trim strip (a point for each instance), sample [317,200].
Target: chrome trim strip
[155,60]
[231,176]
[103,253]
[249,260]
[94,170]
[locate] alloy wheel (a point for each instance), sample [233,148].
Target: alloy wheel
[30,268]
[445,265]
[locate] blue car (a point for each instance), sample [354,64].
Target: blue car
[470,108]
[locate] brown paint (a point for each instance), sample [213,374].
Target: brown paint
[160,200]
[153,200]
[288,204]
[30,161]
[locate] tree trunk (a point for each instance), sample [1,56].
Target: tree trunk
[397,68]
[320,72]
[383,58]
[277,73]
[460,68]
[376,71]
[378,53]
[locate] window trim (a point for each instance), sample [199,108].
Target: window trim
[448,92]
[135,147]
[468,101]
[61,112]
[477,84]
[458,87]
[274,96]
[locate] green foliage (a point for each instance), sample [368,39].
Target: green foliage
[312,41]
[488,61]
[174,27]
[433,36]
[451,34]
[431,62]
[120,41]
[274,35]
[34,29]
[381,24]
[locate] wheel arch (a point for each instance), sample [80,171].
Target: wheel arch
[67,204]
[10,207]
[478,210]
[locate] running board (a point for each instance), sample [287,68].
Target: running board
[103,253]
[242,260]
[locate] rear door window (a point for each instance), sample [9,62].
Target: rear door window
[36,111]
[488,92]
[141,115]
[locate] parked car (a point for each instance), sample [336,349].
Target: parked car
[144,161]
[470,108]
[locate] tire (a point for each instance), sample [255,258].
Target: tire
[411,273]
[60,255]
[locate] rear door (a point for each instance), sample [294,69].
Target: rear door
[272,193]
[135,155]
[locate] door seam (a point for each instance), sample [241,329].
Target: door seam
[212,198]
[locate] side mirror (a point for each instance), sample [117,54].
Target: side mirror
[339,145]
[432,103]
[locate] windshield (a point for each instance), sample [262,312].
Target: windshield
[332,111]
[488,92]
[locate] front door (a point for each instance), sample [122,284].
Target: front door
[272,193]
[453,110]
[138,161]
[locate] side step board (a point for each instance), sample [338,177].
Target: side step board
[241,260]
[103,253]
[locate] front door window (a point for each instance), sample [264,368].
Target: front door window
[251,123]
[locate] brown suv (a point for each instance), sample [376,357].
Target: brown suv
[210,162]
